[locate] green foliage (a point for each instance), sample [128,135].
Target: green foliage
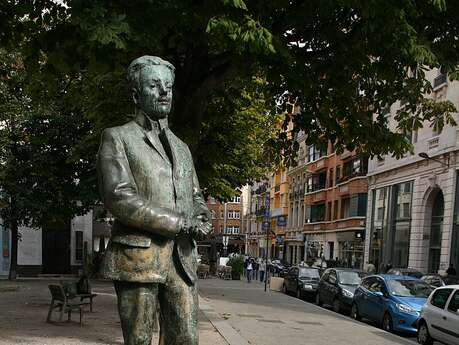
[41,175]
[237,263]
[344,60]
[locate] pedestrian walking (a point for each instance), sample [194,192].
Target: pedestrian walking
[255,269]
[249,270]
[262,270]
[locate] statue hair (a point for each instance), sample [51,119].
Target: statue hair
[133,72]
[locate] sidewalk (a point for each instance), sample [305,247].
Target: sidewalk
[24,306]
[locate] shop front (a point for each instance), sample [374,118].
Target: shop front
[351,245]
[391,224]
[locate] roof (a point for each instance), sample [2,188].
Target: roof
[393,277]
[449,287]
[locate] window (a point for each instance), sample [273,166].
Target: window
[454,303]
[358,205]
[232,230]
[329,209]
[221,228]
[316,182]
[368,282]
[357,166]
[440,80]
[332,278]
[376,285]
[79,245]
[330,178]
[345,207]
[440,297]
[315,213]
[236,199]
[212,212]
[315,153]
[221,214]
[335,210]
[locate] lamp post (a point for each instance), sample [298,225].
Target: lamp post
[426,156]
[267,224]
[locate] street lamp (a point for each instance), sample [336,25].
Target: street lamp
[426,156]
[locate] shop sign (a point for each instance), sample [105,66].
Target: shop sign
[281,220]
[265,226]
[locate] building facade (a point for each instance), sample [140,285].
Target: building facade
[55,249]
[257,242]
[412,218]
[327,206]
[278,212]
[226,222]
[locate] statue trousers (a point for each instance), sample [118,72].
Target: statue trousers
[178,302]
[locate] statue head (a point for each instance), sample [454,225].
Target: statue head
[150,80]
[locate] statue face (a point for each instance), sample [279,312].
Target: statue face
[154,95]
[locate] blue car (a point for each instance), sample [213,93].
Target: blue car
[392,301]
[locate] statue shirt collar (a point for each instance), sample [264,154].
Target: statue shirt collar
[144,121]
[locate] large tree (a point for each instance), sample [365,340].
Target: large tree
[345,60]
[43,177]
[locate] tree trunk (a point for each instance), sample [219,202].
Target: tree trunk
[14,250]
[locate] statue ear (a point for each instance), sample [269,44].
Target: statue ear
[135,95]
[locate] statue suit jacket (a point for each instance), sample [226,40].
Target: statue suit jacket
[149,197]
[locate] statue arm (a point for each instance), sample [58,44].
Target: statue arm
[199,204]
[119,192]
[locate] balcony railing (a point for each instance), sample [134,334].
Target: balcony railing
[348,177]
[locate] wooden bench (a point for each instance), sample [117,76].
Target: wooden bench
[60,300]
[80,289]
[203,271]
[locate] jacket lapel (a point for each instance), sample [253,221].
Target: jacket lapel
[172,146]
[153,140]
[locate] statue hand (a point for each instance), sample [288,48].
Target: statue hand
[196,227]
[205,226]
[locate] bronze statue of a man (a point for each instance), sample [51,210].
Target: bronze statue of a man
[148,182]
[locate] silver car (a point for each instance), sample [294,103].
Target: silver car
[439,319]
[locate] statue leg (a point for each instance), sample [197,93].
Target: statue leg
[136,307]
[179,311]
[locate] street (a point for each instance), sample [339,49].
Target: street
[273,318]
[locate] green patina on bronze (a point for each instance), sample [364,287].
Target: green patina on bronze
[148,182]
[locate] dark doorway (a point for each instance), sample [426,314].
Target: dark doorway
[436,233]
[56,248]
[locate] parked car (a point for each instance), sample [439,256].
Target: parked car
[302,281]
[393,301]
[440,317]
[434,280]
[337,286]
[411,272]
[437,280]
[279,267]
